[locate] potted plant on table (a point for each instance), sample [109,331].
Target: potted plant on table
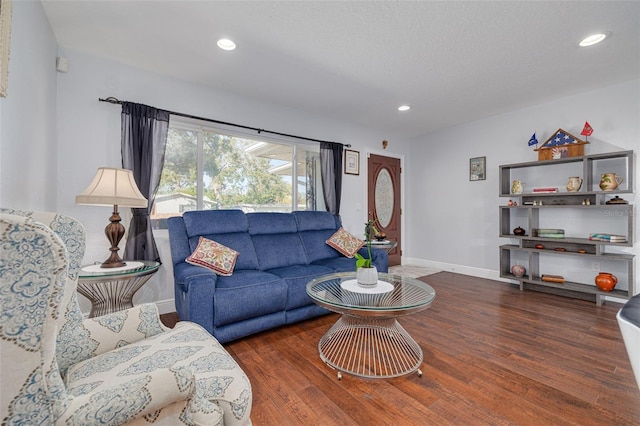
[366,272]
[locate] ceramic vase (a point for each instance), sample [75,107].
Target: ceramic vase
[519,231]
[517,187]
[609,181]
[574,184]
[606,281]
[367,277]
[518,270]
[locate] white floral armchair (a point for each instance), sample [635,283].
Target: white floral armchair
[125,367]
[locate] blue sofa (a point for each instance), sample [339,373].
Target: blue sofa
[279,253]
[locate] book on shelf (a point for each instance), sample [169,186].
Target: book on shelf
[544,190]
[608,238]
[548,233]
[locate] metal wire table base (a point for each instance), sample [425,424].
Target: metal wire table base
[111,296]
[370,347]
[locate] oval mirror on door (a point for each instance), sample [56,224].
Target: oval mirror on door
[384,197]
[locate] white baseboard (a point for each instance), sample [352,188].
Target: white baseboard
[460,269]
[166,306]
[475,272]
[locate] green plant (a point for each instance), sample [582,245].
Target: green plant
[369,230]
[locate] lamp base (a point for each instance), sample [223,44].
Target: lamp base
[113,262]
[114,232]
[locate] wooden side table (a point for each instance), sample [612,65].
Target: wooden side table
[112,289]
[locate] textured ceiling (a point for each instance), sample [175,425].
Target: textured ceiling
[453,61]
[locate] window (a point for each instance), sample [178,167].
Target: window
[206,168]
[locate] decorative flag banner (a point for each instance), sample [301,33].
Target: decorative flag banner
[587,130]
[533,140]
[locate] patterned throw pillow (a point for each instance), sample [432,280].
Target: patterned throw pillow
[345,242]
[209,254]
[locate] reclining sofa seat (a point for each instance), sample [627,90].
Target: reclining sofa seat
[279,253]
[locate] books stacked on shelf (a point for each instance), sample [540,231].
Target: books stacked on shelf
[610,238]
[548,233]
[544,190]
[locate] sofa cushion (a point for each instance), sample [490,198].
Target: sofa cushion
[338,264]
[228,227]
[203,222]
[279,250]
[311,220]
[271,223]
[297,277]
[315,244]
[315,228]
[345,242]
[247,294]
[215,256]
[276,240]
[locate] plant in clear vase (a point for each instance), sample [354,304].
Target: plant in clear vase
[366,272]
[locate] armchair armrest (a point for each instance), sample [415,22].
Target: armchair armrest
[130,325]
[130,399]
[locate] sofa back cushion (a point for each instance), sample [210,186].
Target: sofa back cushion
[226,227]
[276,240]
[315,228]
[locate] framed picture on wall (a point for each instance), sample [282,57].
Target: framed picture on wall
[351,162]
[478,168]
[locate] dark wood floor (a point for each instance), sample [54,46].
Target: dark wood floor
[492,355]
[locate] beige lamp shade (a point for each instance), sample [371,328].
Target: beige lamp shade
[110,187]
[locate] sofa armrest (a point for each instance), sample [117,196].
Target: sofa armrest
[195,288]
[130,325]
[380,259]
[185,274]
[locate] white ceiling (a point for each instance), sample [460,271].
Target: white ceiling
[357,61]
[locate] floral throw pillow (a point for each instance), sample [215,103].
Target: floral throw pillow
[345,243]
[209,254]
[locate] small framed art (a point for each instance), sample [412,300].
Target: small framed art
[478,168]
[351,162]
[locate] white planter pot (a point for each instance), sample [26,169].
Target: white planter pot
[367,277]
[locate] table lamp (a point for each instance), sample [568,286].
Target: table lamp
[115,187]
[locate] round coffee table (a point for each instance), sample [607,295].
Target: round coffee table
[367,341]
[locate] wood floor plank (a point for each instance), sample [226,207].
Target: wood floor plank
[493,355]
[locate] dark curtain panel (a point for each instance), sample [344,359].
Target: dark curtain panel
[144,138]
[331,174]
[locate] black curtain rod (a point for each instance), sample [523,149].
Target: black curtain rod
[113,100]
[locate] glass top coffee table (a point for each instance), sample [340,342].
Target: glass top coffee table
[367,341]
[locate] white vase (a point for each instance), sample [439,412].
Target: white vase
[367,277]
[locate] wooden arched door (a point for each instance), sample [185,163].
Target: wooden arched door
[383,200]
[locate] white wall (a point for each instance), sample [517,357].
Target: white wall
[28,154]
[453,222]
[89,137]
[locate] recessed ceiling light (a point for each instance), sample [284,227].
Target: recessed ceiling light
[226,44]
[404,108]
[594,39]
